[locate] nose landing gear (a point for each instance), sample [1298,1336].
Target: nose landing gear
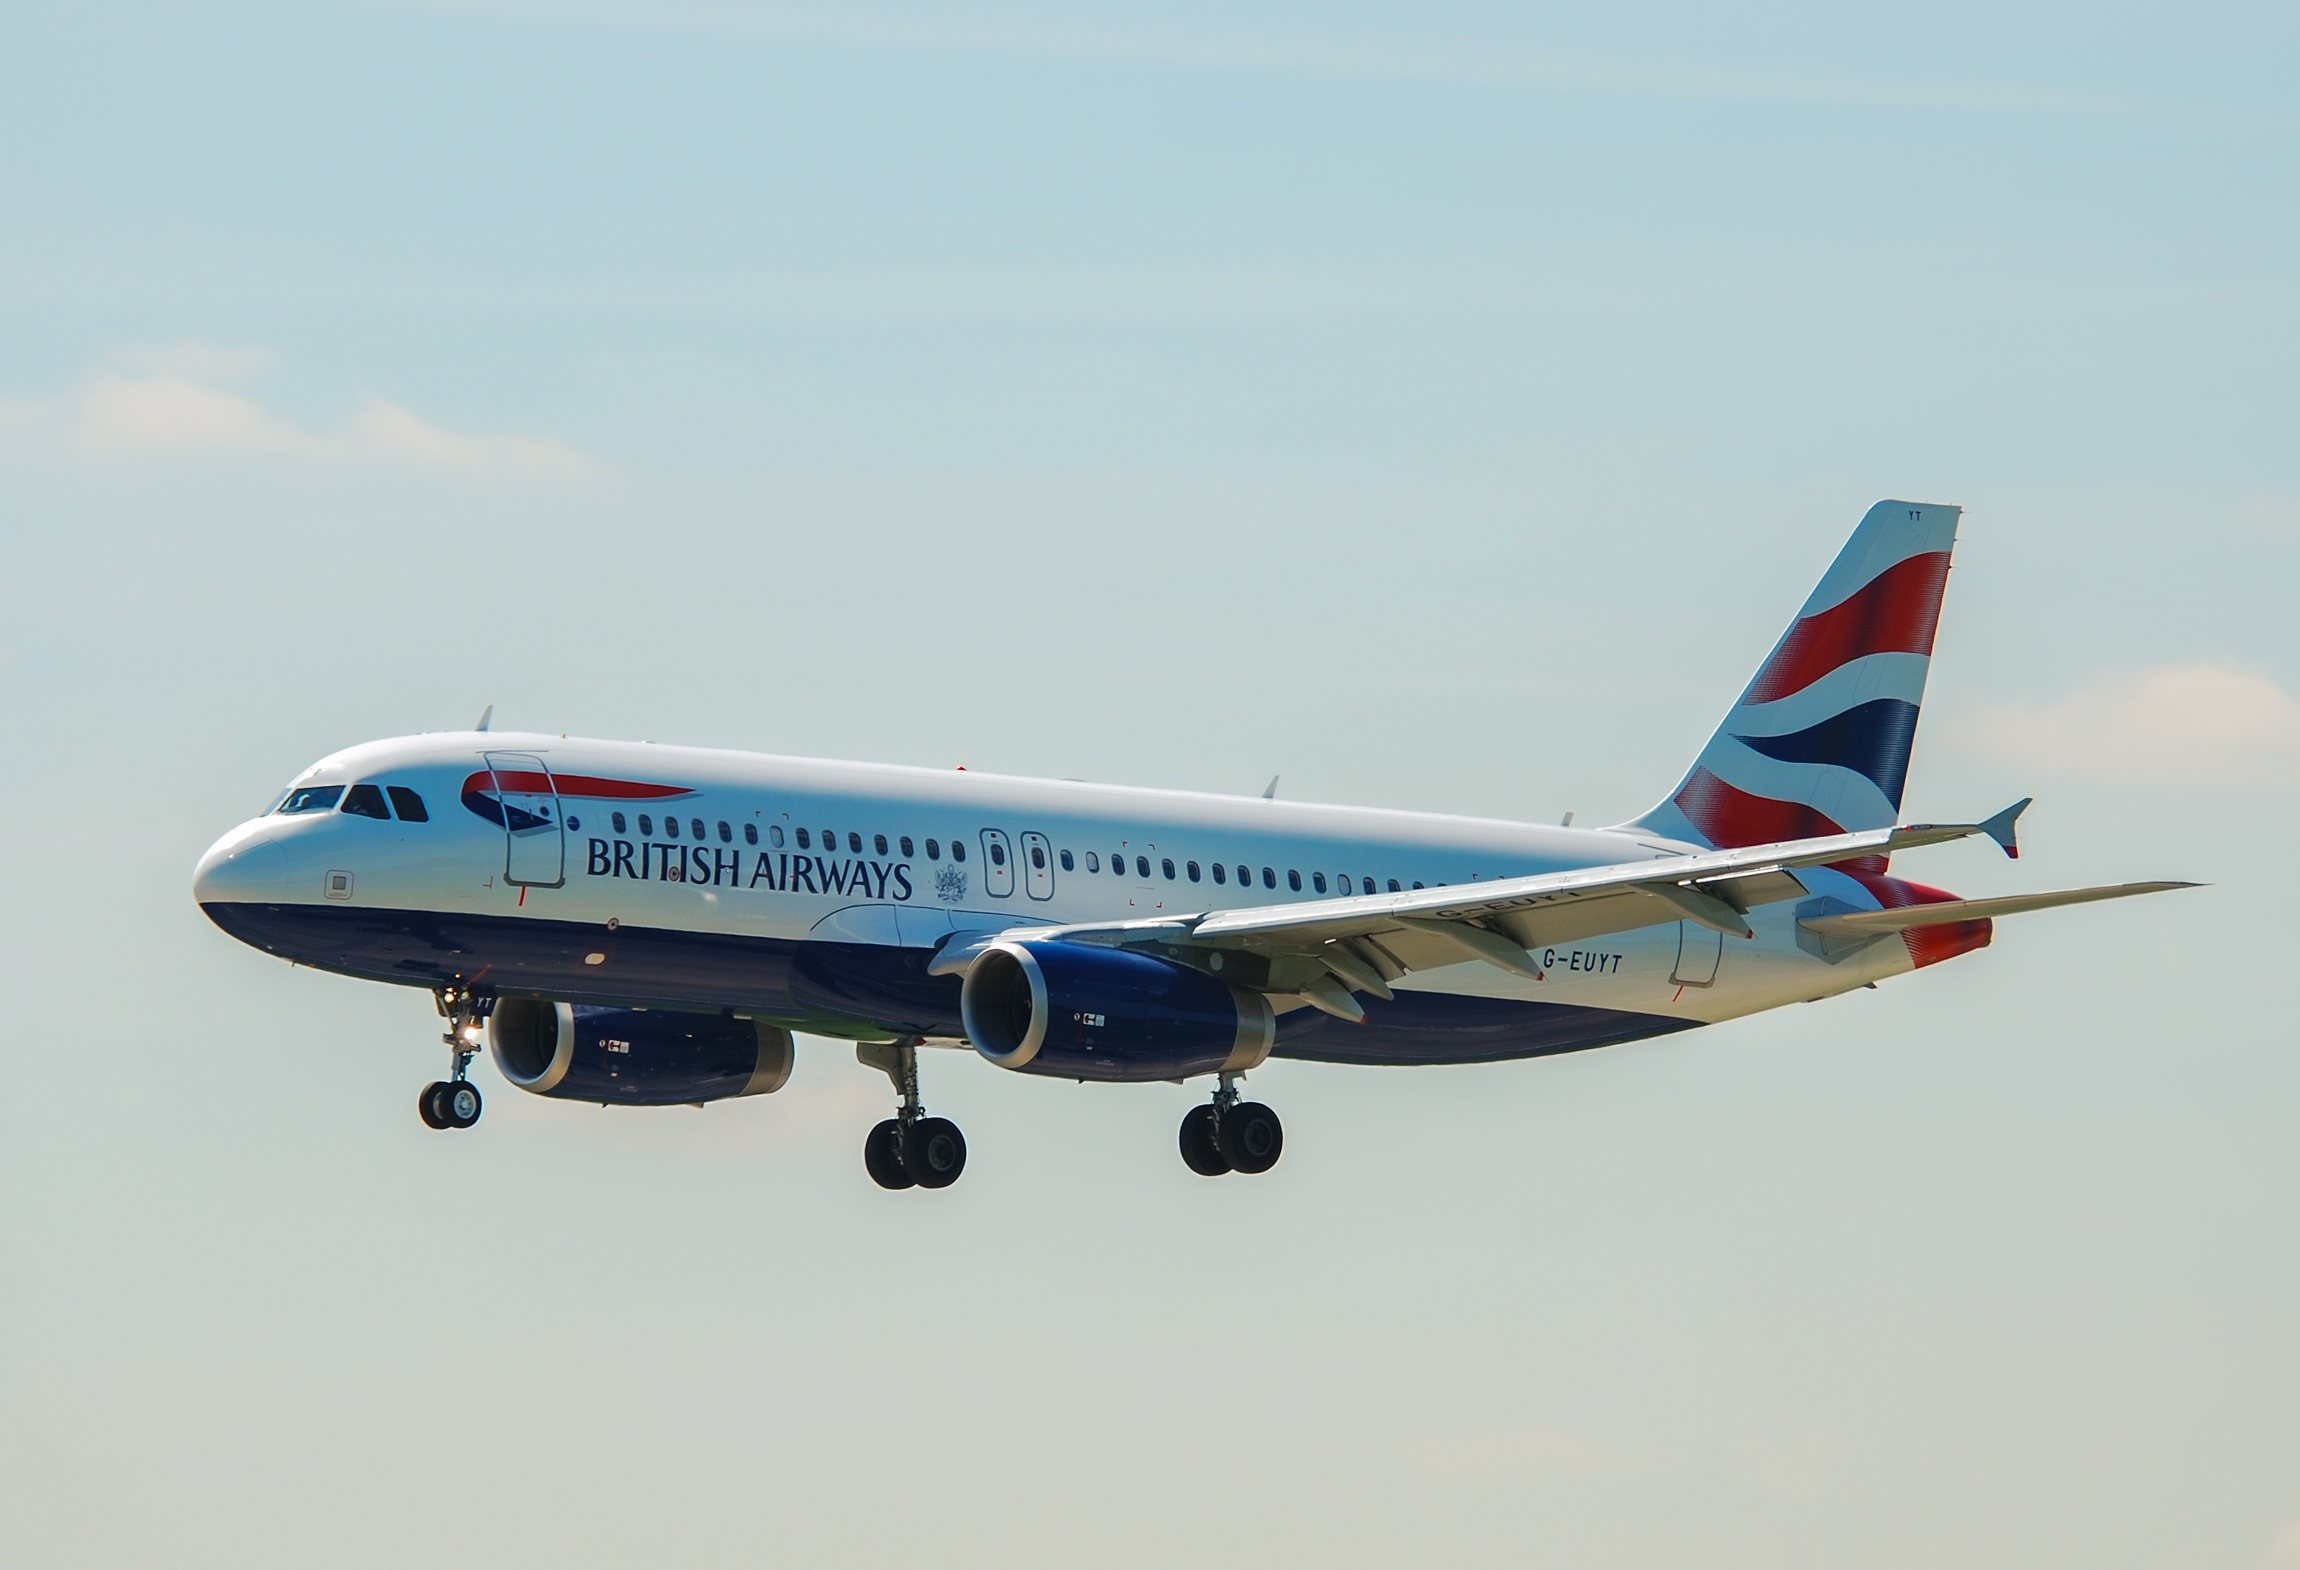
[1229,1135]
[454,1102]
[910,1149]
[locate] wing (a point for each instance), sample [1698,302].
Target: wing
[1323,949]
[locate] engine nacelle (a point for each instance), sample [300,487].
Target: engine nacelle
[1085,1012]
[634,1057]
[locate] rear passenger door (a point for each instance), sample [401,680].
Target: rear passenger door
[997,865]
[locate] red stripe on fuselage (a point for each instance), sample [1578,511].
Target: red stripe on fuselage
[536,783]
[1895,612]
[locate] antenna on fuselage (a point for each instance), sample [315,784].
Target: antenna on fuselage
[485,715]
[1270,791]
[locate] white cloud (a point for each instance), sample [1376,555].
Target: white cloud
[388,432]
[178,414]
[199,362]
[2202,724]
[166,414]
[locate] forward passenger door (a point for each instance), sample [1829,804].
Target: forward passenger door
[535,847]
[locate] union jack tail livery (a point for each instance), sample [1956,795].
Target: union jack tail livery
[1819,743]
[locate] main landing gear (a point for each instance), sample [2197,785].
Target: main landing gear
[910,1149]
[454,1102]
[1230,1135]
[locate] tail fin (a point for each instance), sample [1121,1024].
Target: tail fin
[1819,743]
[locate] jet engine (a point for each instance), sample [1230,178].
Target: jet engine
[1080,1011]
[634,1057]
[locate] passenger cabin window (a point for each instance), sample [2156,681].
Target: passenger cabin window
[671,827]
[750,833]
[407,804]
[906,850]
[958,850]
[774,834]
[1069,865]
[726,835]
[1317,881]
[1245,876]
[830,839]
[1220,876]
[1393,885]
[804,842]
[1192,869]
[854,843]
[1167,866]
[1118,865]
[312,798]
[1417,883]
[1269,878]
[879,841]
[1142,868]
[1093,862]
[697,825]
[646,824]
[997,854]
[933,850]
[366,801]
[620,826]
[1294,881]
[1038,857]
[1341,883]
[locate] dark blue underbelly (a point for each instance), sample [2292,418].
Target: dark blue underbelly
[843,987]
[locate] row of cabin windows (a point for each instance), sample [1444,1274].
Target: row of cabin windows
[1342,881]
[879,844]
[1343,884]
[361,801]
[367,801]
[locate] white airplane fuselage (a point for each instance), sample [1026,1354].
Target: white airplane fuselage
[812,893]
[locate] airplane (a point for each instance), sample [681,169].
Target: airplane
[643,925]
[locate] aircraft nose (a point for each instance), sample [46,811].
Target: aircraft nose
[239,869]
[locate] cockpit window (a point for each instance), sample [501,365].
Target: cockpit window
[312,798]
[366,801]
[410,806]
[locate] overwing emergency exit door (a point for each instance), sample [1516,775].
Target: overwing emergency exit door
[997,865]
[535,844]
[1038,866]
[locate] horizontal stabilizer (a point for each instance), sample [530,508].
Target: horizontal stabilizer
[1876,923]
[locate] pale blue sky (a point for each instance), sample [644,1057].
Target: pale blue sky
[1444,406]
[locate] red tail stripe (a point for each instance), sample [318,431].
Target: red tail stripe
[1730,817]
[537,783]
[1895,612]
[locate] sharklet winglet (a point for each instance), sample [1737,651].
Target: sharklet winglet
[2000,827]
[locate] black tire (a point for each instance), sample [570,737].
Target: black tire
[460,1103]
[1252,1137]
[1201,1151]
[882,1156]
[934,1152]
[431,1119]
